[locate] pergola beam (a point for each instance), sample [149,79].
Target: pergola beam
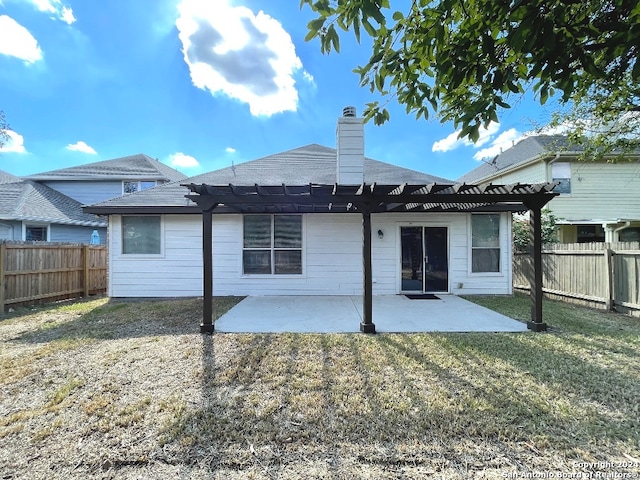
[367,199]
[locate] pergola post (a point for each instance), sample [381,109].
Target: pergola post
[535,280]
[367,325]
[207,271]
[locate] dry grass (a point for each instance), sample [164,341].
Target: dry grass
[102,389]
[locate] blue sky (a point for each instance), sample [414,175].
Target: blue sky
[199,85]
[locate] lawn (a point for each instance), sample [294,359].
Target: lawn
[102,389]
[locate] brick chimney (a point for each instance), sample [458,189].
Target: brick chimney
[350,148]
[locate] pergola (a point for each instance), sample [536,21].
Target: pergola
[366,199]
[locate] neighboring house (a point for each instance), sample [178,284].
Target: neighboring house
[95,182]
[31,211]
[599,201]
[156,236]
[48,206]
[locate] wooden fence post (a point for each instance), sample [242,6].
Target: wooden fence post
[609,285]
[85,266]
[3,252]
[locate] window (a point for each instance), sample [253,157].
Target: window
[141,235]
[272,244]
[561,172]
[136,186]
[36,233]
[485,243]
[590,233]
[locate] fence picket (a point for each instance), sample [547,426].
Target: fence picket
[36,271]
[601,275]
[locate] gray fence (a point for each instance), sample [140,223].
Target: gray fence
[601,275]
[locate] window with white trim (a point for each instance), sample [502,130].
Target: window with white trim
[132,186]
[272,245]
[561,173]
[36,233]
[141,235]
[485,243]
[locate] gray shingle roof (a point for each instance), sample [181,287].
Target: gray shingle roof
[8,178]
[139,166]
[26,200]
[523,151]
[300,166]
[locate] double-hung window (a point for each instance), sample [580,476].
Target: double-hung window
[272,244]
[485,243]
[561,173]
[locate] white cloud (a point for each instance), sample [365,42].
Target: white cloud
[230,150]
[451,142]
[505,140]
[15,143]
[56,7]
[81,147]
[17,41]
[180,159]
[246,56]
[67,15]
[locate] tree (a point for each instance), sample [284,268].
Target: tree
[4,127]
[521,239]
[463,60]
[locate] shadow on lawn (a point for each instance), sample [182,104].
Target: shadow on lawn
[123,319]
[391,401]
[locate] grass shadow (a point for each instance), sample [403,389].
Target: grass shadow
[113,319]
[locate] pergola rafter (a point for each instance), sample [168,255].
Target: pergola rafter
[367,199]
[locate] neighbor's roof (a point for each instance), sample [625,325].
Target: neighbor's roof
[525,150]
[25,200]
[139,166]
[300,166]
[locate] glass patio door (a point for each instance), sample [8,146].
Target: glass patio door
[424,259]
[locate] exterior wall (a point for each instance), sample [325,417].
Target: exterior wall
[10,230]
[87,192]
[176,272]
[534,173]
[386,253]
[75,234]
[332,258]
[600,191]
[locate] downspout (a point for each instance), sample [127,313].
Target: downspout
[627,224]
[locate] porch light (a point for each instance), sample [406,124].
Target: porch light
[380,234]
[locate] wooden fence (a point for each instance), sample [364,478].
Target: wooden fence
[601,275]
[33,272]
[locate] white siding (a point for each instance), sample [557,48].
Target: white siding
[600,191]
[332,258]
[534,173]
[177,272]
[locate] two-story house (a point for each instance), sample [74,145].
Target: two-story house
[48,206]
[599,201]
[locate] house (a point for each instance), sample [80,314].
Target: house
[599,201]
[48,206]
[95,182]
[314,221]
[32,211]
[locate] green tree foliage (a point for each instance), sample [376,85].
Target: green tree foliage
[4,126]
[521,230]
[463,60]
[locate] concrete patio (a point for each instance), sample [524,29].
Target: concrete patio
[343,314]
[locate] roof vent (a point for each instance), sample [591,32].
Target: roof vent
[349,112]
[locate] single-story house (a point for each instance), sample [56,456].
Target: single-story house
[314,221]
